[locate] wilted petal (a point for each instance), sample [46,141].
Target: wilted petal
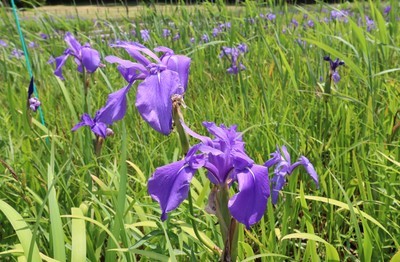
[90,59]
[169,185]
[153,99]
[248,206]
[179,64]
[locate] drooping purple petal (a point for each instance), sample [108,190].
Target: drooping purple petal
[153,99]
[169,185]
[115,108]
[249,204]
[179,64]
[278,181]
[60,61]
[205,139]
[90,59]
[309,168]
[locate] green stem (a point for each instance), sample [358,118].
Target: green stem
[215,249]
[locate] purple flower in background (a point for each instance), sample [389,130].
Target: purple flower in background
[176,37]
[216,31]
[310,23]
[33,102]
[44,36]
[192,40]
[3,43]
[145,34]
[33,45]
[283,167]
[387,10]
[166,33]
[370,23]
[341,15]
[163,77]
[271,17]
[294,23]
[205,38]
[233,54]
[243,48]
[84,56]
[226,161]
[17,53]
[333,65]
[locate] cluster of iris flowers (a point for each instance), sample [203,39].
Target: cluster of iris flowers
[163,78]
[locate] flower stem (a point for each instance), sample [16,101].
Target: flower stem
[178,117]
[215,249]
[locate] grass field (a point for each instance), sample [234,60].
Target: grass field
[60,200]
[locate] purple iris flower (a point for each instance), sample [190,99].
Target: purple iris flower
[310,23]
[370,23]
[233,54]
[33,102]
[97,127]
[333,66]
[163,77]
[216,31]
[33,45]
[226,161]
[294,23]
[205,38]
[3,43]
[341,15]
[177,36]
[166,33]
[283,167]
[145,34]
[114,110]
[44,36]
[271,17]
[17,53]
[84,56]
[387,10]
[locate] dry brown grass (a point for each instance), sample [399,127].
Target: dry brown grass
[91,11]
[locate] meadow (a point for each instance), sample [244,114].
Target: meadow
[321,80]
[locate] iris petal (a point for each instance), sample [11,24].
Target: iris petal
[153,99]
[249,204]
[169,185]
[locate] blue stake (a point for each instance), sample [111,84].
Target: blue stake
[28,64]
